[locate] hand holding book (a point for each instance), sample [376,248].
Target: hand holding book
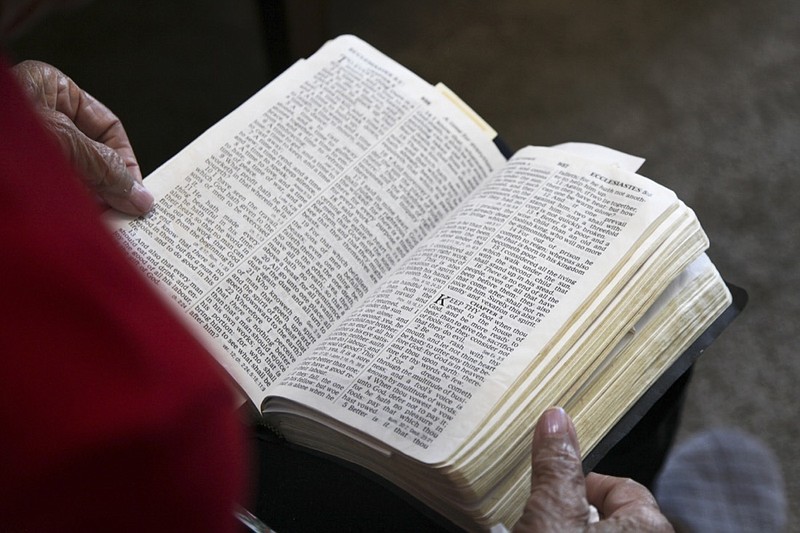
[90,135]
[563,499]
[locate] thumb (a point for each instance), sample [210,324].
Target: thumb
[100,166]
[558,490]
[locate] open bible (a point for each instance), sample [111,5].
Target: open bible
[387,288]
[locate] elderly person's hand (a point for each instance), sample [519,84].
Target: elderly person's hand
[561,495]
[90,134]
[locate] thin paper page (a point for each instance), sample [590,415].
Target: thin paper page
[603,154]
[424,357]
[270,226]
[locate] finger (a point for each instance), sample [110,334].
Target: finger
[625,505]
[99,124]
[558,496]
[90,134]
[101,167]
[52,89]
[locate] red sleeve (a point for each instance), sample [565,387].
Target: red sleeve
[112,416]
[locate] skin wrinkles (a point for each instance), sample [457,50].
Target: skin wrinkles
[561,495]
[89,134]
[53,90]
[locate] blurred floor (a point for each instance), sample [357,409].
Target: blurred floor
[708,92]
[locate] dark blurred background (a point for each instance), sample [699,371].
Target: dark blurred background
[708,92]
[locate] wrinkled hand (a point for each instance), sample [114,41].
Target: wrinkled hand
[560,495]
[90,134]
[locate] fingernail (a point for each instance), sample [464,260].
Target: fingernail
[555,421]
[140,197]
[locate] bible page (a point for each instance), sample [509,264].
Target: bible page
[272,224]
[422,360]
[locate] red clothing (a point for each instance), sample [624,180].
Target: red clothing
[111,416]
